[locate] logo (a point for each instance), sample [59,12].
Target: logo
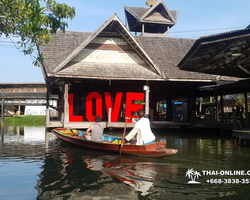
[193,175]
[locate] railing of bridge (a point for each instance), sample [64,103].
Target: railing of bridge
[29,98]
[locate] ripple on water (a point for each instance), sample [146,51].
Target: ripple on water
[63,171]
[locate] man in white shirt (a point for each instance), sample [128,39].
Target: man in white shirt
[142,129]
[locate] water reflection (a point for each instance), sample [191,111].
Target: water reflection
[138,174]
[36,165]
[135,172]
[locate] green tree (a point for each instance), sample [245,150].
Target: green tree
[33,21]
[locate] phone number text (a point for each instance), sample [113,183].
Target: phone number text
[228,181]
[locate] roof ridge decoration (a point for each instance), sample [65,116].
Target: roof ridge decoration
[124,31]
[151,9]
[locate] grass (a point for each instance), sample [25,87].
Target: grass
[25,120]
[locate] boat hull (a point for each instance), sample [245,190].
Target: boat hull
[151,150]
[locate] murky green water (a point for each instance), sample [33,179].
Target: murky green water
[28,170]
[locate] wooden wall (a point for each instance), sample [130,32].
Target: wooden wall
[108,50]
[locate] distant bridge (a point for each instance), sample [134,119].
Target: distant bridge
[26,98]
[14,97]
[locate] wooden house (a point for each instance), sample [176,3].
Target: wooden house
[113,73]
[156,19]
[225,54]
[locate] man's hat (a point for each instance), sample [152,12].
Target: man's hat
[97,118]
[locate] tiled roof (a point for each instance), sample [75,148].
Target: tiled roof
[60,47]
[136,11]
[167,53]
[164,51]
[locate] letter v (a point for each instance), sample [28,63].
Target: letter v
[117,106]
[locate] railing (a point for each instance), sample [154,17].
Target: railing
[26,98]
[24,102]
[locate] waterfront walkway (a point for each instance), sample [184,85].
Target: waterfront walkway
[243,133]
[154,125]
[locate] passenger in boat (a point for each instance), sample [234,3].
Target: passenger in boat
[95,130]
[142,129]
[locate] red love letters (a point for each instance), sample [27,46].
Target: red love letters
[96,98]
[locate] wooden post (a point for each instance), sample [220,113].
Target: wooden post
[200,107]
[19,109]
[239,141]
[235,124]
[47,136]
[2,113]
[47,107]
[152,115]
[60,106]
[246,106]
[153,109]
[66,103]
[222,109]
[109,117]
[143,29]
[147,90]
[217,108]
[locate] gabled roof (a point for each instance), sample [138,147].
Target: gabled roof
[113,24]
[158,16]
[157,56]
[224,54]
[165,12]
[164,51]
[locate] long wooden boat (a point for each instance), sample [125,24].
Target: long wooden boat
[113,144]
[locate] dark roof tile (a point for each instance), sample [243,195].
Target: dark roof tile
[60,47]
[164,51]
[167,52]
[136,11]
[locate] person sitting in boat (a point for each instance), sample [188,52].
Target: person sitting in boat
[95,130]
[142,129]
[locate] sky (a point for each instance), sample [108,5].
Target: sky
[196,18]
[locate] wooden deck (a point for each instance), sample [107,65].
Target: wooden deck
[154,125]
[243,133]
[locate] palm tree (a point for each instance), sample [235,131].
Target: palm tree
[190,174]
[196,175]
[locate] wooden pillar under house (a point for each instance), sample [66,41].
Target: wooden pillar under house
[217,108]
[221,109]
[47,107]
[246,107]
[147,90]
[153,104]
[19,108]
[143,29]
[60,106]
[66,104]
[235,123]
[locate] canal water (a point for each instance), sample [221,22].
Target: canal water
[34,164]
